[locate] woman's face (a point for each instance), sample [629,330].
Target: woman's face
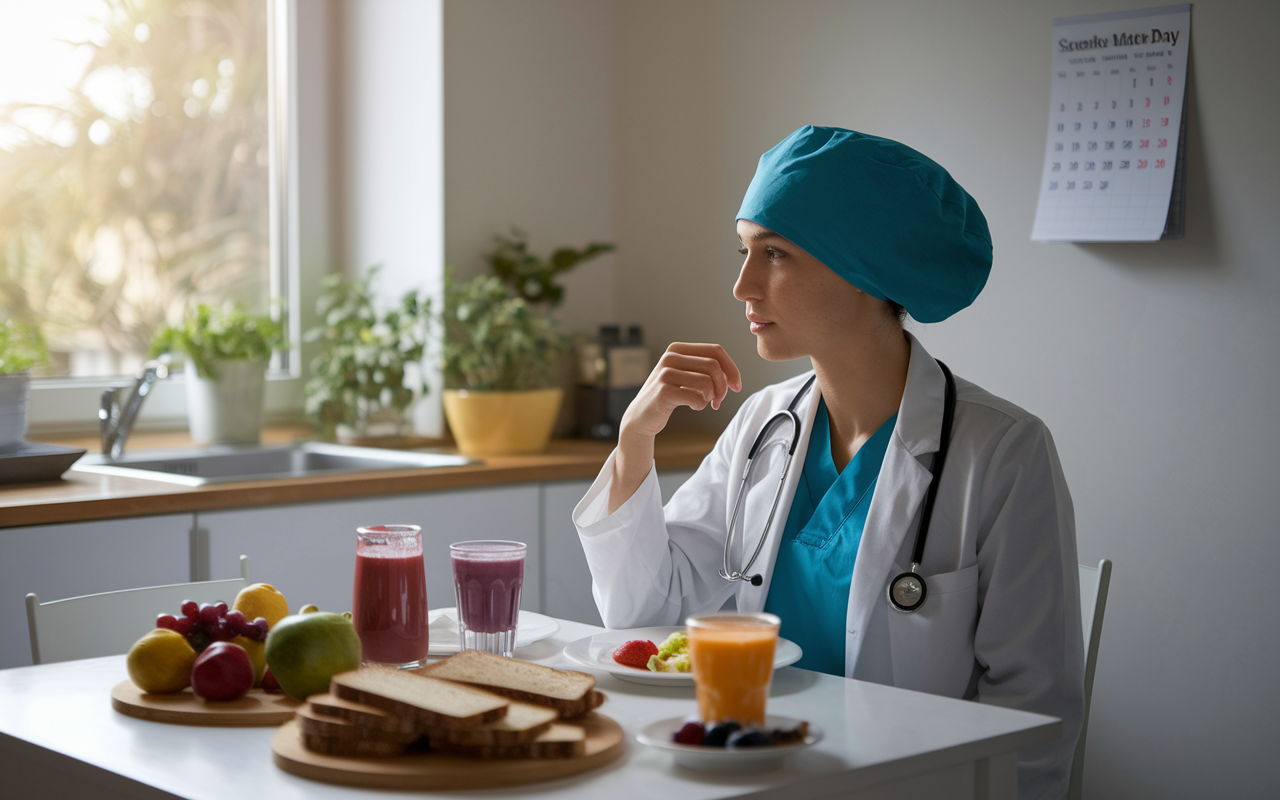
[796,305]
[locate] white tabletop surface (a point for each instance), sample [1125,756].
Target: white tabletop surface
[873,734]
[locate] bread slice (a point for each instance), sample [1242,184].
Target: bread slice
[569,692]
[335,728]
[365,716]
[560,740]
[431,703]
[331,746]
[523,723]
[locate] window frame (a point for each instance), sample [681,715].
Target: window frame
[70,405]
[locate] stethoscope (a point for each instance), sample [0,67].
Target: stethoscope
[907,592]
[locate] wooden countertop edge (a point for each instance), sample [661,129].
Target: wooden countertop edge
[147,498]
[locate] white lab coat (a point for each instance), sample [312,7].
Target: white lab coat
[1001,623]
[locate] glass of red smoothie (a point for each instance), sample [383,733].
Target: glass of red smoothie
[487,578]
[389,604]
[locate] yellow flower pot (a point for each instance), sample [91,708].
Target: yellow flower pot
[502,423]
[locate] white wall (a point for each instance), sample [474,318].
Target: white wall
[390,152]
[529,128]
[1153,364]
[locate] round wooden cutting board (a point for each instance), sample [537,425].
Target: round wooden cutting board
[257,709]
[432,770]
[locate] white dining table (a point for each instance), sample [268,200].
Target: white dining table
[60,737]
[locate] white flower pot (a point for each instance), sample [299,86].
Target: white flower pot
[14,392]
[227,408]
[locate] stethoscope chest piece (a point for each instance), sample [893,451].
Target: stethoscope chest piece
[907,592]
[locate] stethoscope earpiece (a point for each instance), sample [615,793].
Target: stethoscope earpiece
[756,580]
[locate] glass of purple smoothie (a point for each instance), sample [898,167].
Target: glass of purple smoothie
[487,577]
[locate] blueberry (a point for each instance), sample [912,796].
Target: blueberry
[691,733]
[718,735]
[752,738]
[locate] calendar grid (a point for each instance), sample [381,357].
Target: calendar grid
[1115,143]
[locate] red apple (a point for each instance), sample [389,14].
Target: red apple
[223,671]
[269,683]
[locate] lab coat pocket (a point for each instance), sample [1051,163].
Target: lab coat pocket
[932,647]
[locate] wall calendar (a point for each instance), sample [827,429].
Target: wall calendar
[1116,143]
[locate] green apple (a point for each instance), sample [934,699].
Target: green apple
[305,650]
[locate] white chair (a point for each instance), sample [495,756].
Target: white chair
[1094,582]
[108,624]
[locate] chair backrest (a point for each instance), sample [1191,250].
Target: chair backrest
[109,623]
[1094,582]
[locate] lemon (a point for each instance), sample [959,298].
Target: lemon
[160,662]
[256,655]
[309,608]
[262,600]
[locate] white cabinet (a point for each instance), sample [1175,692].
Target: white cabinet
[567,580]
[61,561]
[308,551]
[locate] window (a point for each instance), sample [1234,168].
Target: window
[137,175]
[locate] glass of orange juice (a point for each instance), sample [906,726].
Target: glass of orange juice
[732,655]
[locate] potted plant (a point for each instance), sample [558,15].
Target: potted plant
[227,351]
[532,277]
[21,347]
[358,381]
[498,358]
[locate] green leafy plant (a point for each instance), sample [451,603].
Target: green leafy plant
[224,333]
[494,340]
[21,347]
[532,277]
[363,355]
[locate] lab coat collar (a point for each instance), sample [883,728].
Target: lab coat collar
[919,426]
[899,493]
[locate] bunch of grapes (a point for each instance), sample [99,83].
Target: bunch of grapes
[205,623]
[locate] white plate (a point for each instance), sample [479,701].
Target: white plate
[596,652]
[530,628]
[723,759]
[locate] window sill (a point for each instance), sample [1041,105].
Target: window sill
[69,406]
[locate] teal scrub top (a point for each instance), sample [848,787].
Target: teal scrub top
[810,587]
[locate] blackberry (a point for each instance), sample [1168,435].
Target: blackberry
[718,734]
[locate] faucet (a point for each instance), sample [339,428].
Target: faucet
[117,418]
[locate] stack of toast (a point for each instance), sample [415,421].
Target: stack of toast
[471,704]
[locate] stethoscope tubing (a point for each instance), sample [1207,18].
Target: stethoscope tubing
[912,587]
[789,414]
[922,532]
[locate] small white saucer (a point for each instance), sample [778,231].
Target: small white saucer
[723,759]
[443,634]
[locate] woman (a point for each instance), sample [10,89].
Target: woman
[841,232]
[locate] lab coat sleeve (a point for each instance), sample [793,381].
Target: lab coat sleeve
[1028,640]
[655,566]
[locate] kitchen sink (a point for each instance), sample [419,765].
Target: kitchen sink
[227,463]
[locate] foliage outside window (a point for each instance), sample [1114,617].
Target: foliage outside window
[140,187]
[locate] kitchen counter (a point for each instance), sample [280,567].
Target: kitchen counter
[81,496]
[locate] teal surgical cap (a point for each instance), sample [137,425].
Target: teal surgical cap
[884,217]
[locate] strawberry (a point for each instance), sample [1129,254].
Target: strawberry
[635,654]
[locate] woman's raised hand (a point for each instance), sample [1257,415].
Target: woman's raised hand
[693,375]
